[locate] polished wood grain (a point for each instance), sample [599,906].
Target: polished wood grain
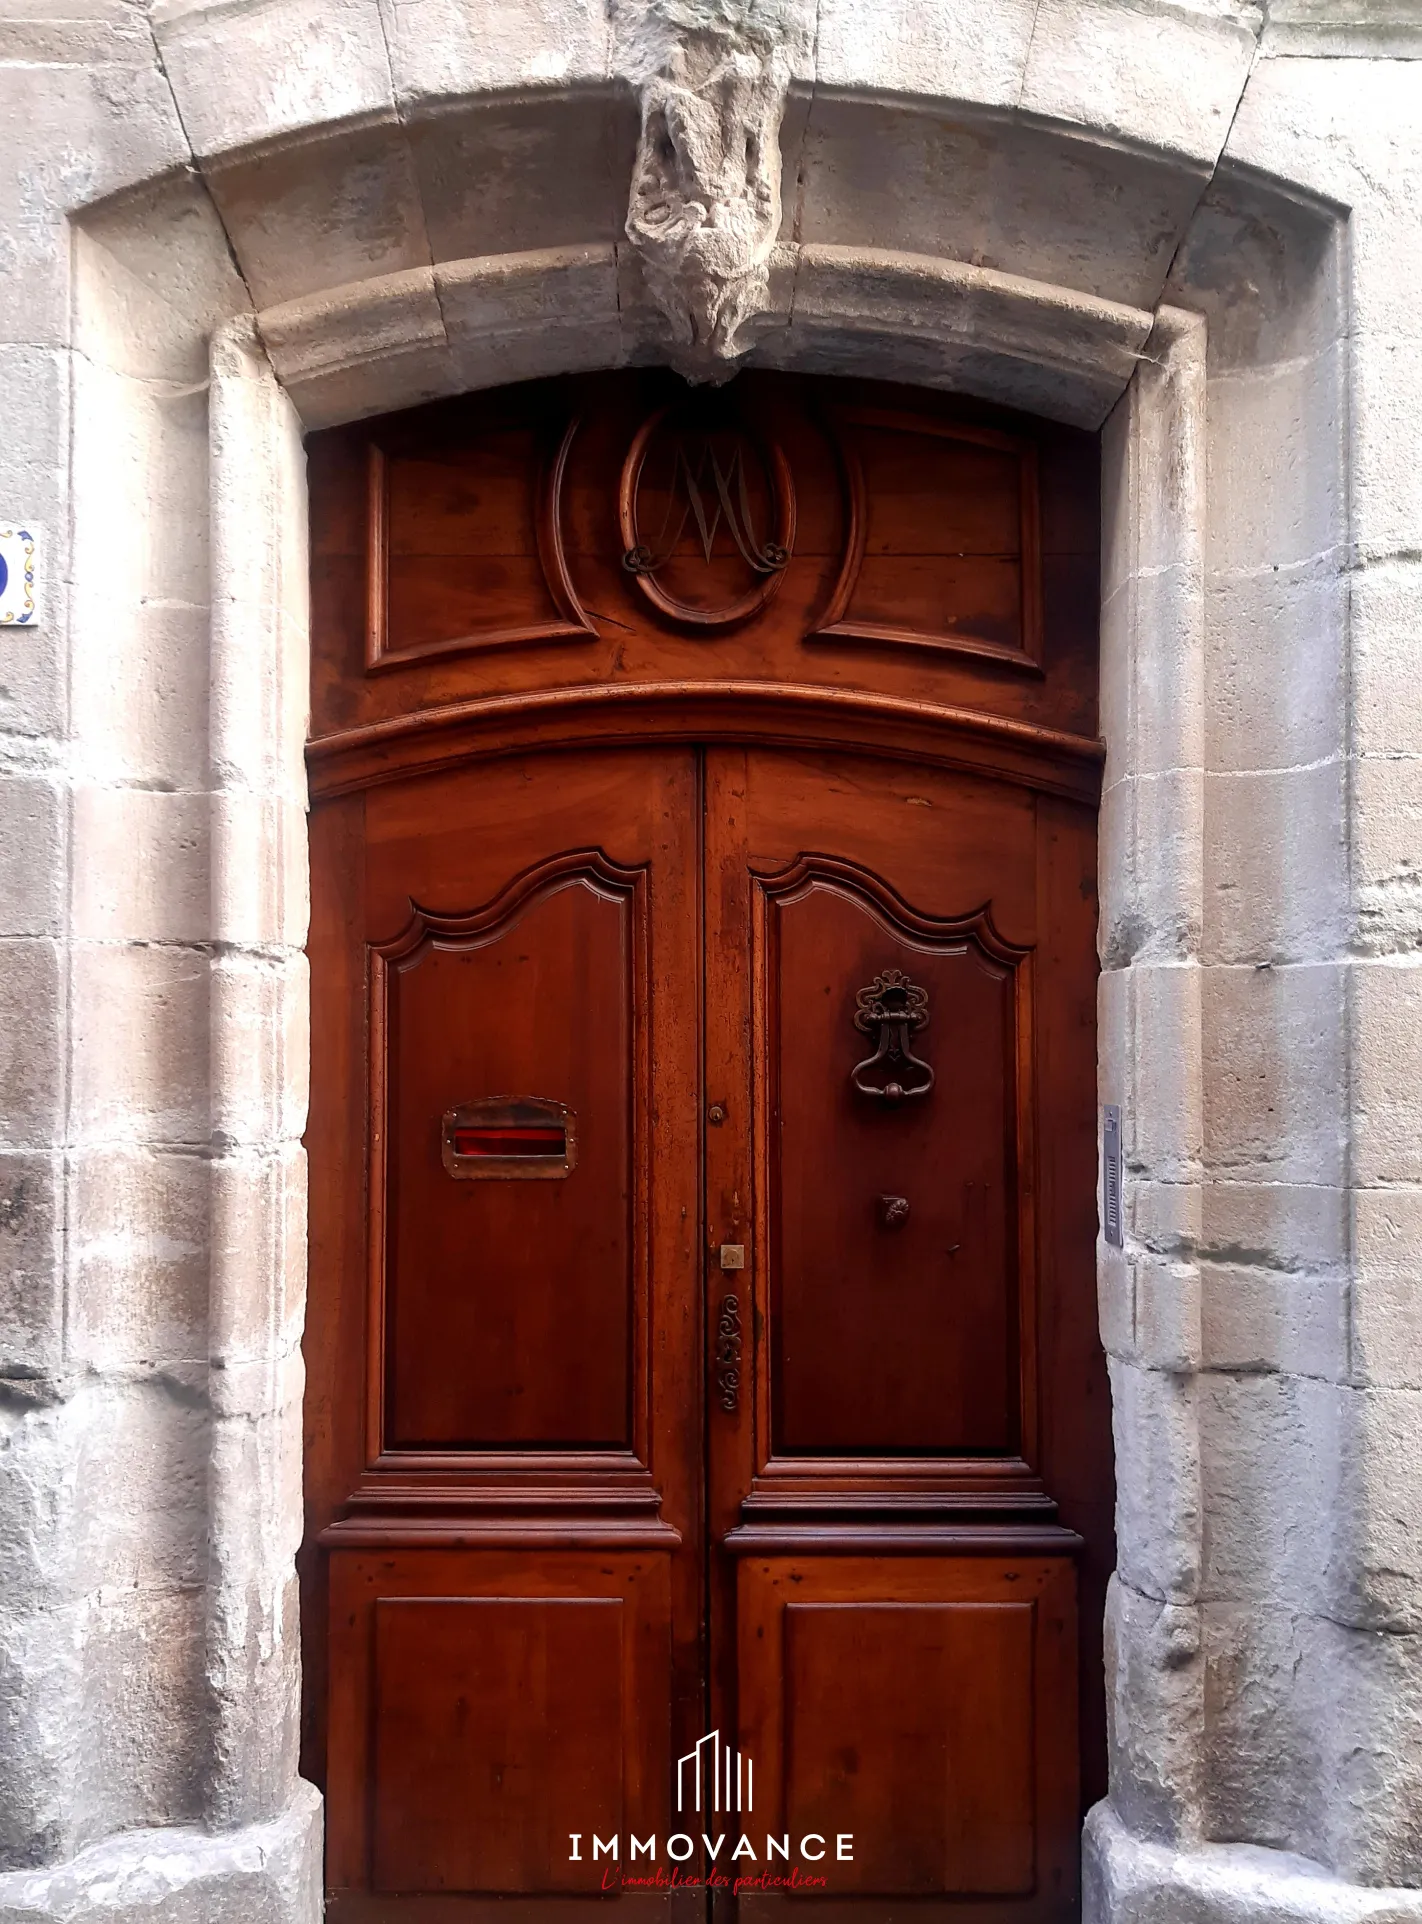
[889,1337]
[564,895]
[775,714]
[909,1726]
[631,839]
[944,542]
[542,994]
[706,511]
[482,1709]
[925,1709]
[924,531]
[494,1718]
[464,546]
[925,849]
[907,865]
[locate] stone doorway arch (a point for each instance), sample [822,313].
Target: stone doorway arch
[1136,221]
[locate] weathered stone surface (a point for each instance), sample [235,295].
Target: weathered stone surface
[569,188]
[1155,1715]
[1169,1088]
[1174,86]
[1144,1882]
[31,1263]
[1158,1482]
[139,1245]
[938,181]
[1273,1103]
[265,1874]
[140,1031]
[1275,650]
[516,316]
[154,274]
[1168,1333]
[1385,1302]
[1387,607]
[143,874]
[974,52]
[259,69]
[1264,269]
[897,295]
[994,199]
[705,206]
[91,91]
[38,385]
[1344,29]
[1276,865]
[258,1218]
[302,216]
[339,352]
[1267,1442]
[1387,1000]
[32,855]
[31,1024]
[524,44]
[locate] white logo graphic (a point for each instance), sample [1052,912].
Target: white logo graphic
[720,1775]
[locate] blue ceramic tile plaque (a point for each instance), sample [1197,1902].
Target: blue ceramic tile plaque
[19,576]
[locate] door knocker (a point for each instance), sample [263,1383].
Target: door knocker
[892,1007]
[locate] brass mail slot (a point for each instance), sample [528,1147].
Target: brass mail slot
[510,1138]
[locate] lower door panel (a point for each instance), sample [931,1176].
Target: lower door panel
[493,1713]
[914,1717]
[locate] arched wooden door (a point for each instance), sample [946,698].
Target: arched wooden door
[708,1455]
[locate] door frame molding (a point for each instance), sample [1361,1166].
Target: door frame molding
[1153,461]
[757,713]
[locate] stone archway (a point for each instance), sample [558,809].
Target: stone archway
[1079,240]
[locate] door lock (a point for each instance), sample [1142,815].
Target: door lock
[733,1255]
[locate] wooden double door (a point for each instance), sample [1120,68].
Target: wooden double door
[708,1464]
[728,1109]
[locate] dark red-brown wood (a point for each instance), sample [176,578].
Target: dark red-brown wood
[662,1381]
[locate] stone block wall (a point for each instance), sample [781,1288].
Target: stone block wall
[1200,229]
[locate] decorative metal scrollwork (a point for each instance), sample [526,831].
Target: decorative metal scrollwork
[892,1009]
[728,1353]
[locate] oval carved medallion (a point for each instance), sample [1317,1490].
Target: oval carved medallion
[707,512]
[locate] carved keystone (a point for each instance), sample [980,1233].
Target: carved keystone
[704,212]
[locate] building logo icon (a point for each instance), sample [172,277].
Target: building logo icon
[714,1777]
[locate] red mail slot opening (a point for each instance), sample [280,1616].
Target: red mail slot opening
[509,1142]
[501,1137]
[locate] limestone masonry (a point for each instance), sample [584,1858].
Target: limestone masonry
[1199,227]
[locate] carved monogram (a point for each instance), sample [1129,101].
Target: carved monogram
[708,489]
[690,473]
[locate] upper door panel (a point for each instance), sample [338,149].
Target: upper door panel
[518,944]
[620,529]
[510,1119]
[892,1054]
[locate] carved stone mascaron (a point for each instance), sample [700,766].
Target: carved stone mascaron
[705,202]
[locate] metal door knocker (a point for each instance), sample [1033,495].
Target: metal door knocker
[892,1008]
